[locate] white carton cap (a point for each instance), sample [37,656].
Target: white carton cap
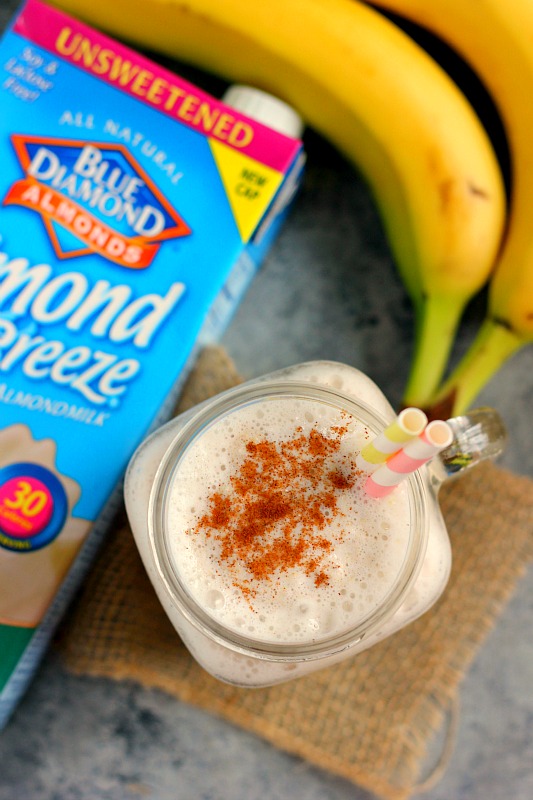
[265,108]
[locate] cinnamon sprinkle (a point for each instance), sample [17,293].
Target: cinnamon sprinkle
[282,498]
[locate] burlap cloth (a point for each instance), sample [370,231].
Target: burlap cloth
[370,719]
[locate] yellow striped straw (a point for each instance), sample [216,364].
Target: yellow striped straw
[409,423]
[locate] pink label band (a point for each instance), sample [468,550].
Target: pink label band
[146,81]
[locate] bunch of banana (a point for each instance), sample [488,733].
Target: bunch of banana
[362,83]
[496,39]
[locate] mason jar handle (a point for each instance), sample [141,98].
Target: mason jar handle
[478,435]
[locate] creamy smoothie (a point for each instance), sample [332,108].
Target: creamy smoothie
[269,529]
[250,515]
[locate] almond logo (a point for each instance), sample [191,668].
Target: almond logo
[93,198]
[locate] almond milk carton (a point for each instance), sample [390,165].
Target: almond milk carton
[134,209]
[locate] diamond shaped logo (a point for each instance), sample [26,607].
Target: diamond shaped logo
[93,198]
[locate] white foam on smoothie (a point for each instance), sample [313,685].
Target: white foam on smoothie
[369,538]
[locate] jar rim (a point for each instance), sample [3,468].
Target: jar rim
[231,401]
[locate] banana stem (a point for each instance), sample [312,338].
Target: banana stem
[493,345]
[437,319]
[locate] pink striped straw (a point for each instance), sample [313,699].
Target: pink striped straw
[436,436]
[408,425]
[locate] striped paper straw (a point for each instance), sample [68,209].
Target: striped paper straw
[417,452]
[408,424]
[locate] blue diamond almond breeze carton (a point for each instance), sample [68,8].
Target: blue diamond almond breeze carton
[134,210]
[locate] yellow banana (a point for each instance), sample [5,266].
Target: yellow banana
[496,38]
[367,87]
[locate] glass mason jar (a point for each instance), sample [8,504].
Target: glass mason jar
[259,595]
